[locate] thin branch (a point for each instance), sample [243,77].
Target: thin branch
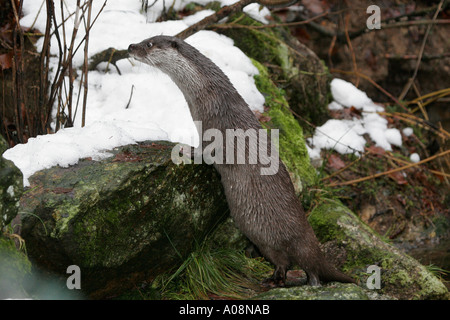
[19,83]
[215,17]
[422,48]
[352,52]
[345,168]
[264,26]
[418,121]
[374,176]
[439,173]
[131,96]
[109,55]
[85,66]
[415,56]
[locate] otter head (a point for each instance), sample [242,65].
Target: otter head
[160,52]
[197,76]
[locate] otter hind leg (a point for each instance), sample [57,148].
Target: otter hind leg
[278,279]
[281,262]
[312,279]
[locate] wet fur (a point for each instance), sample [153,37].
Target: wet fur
[264,207]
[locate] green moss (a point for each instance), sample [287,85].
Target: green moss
[14,269]
[335,291]
[401,275]
[250,40]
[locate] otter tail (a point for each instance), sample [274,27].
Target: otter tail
[329,273]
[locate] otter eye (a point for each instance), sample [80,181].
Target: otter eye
[149,44]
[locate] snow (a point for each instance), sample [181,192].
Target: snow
[335,106]
[346,136]
[414,157]
[158,110]
[254,10]
[346,94]
[408,131]
[339,135]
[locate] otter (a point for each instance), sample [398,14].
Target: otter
[264,207]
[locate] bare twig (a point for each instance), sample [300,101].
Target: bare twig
[19,83]
[418,121]
[109,55]
[343,169]
[222,13]
[330,51]
[265,26]
[422,48]
[44,69]
[71,75]
[415,56]
[85,66]
[352,52]
[374,176]
[131,96]
[439,173]
[226,11]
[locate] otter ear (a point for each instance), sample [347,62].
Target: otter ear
[174,44]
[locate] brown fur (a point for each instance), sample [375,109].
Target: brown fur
[264,207]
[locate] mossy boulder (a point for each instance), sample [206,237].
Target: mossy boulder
[122,220]
[11,187]
[135,215]
[355,247]
[334,291]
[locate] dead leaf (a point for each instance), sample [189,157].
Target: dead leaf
[315,6]
[335,162]
[261,117]
[155,146]
[5,61]
[376,150]
[367,213]
[398,177]
[126,157]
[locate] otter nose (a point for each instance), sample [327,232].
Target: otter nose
[131,48]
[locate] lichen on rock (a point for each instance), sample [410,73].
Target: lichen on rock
[402,277]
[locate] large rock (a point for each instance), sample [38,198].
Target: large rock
[121,220]
[335,291]
[355,247]
[11,187]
